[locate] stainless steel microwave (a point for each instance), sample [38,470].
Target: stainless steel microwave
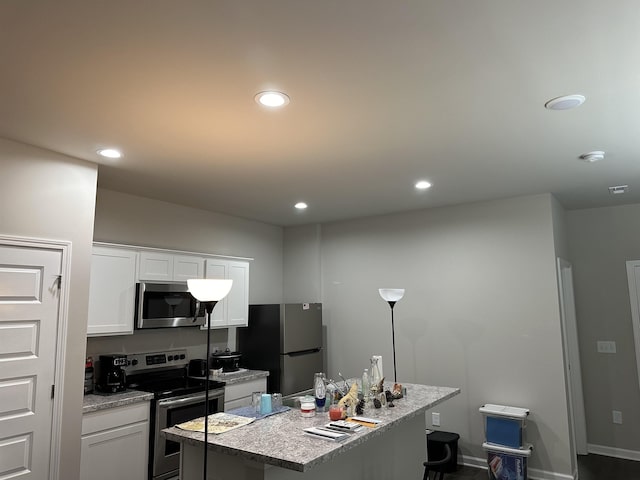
[164,305]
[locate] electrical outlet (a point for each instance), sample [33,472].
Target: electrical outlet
[435,419]
[617,417]
[606,347]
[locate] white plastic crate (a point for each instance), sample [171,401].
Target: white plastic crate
[504,425]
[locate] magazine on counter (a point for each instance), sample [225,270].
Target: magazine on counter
[218,423]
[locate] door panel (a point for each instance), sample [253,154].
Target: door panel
[301,327]
[29,301]
[298,370]
[24,339]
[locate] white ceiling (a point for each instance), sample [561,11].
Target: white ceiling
[383,93]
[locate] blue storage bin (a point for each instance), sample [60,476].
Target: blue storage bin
[504,431]
[504,425]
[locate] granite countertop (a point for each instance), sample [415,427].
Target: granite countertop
[241,376]
[93,402]
[288,447]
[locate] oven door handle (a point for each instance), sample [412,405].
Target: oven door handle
[191,399]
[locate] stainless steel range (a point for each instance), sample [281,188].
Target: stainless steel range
[177,398]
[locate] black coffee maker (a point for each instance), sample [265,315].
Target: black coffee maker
[111,376]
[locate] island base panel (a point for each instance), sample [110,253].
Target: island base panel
[395,453]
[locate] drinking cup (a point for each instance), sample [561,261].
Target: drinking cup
[256,400]
[335,412]
[265,404]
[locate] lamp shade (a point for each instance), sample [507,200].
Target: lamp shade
[209,289]
[391,294]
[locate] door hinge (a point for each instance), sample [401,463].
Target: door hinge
[53,390]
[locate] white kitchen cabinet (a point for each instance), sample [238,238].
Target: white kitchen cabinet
[167,267]
[239,394]
[112,291]
[115,443]
[232,311]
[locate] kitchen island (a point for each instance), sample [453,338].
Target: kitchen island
[276,448]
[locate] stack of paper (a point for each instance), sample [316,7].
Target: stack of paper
[325,434]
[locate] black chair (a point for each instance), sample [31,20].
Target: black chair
[437,465]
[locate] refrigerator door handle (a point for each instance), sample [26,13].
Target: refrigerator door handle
[303,352]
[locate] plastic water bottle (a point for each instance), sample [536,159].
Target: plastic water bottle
[320,391]
[366,385]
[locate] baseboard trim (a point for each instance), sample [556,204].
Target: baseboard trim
[613,452]
[532,473]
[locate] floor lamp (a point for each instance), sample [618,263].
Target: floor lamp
[391,296]
[208,291]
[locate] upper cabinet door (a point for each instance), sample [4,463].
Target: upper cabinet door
[216,268]
[232,311]
[238,298]
[186,267]
[165,267]
[155,266]
[112,291]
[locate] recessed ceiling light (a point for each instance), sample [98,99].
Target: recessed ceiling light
[566,102]
[618,189]
[423,185]
[109,153]
[591,157]
[301,205]
[272,99]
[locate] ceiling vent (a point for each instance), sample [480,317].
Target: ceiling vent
[591,157]
[618,189]
[566,102]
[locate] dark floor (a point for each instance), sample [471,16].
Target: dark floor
[590,467]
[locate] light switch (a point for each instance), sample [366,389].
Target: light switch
[617,417]
[606,346]
[435,419]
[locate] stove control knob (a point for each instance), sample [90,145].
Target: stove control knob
[170,357]
[134,362]
[182,356]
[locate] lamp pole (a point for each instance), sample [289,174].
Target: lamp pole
[393,343]
[209,292]
[391,296]
[208,306]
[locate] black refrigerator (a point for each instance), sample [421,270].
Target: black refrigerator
[286,340]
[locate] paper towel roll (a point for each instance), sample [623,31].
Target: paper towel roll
[377,373]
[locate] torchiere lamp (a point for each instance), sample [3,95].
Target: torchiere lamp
[392,295]
[208,291]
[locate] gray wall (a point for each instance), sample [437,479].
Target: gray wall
[50,196]
[560,234]
[480,311]
[129,219]
[601,240]
[302,274]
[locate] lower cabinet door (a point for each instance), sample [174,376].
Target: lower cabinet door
[115,453]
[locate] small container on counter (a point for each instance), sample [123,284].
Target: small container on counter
[307,406]
[88,376]
[320,391]
[265,404]
[256,401]
[336,412]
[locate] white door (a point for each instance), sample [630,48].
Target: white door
[572,356]
[29,305]
[633,277]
